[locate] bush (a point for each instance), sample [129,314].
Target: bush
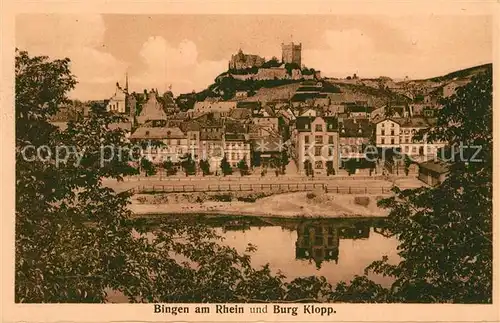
[252,197]
[362,200]
[222,198]
[310,195]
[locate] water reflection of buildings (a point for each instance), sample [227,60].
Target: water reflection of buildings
[318,240]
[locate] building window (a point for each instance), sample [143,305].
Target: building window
[330,140]
[178,142]
[306,139]
[407,149]
[318,164]
[383,132]
[318,140]
[317,151]
[330,151]
[392,141]
[318,128]
[392,125]
[382,141]
[383,125]
[407,139]
[392,132]
[413,149]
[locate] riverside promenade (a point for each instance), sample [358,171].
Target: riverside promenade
[355,184]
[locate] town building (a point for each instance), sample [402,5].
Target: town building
[316,141]
[359,111]
[354,137]
[237,148]
[242,61]
[387,133]
[207,106]
[291,53]
[265,149]
[266,126]
[410,145]
[241,94]
[236,143]
[433,172]
[118,102]
[402,133]
[164,143]
[152,110]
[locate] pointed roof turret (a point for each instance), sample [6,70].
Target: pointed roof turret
[152,110]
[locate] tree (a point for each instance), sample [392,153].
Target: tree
[205,167]
[147,166]
[243,167]
[284,160]
[59,256]
[408,162]
[188,164]
[169,168]
[329,168]
[445,232]
[308,167]
[351,166]
[225,167]
[75,238]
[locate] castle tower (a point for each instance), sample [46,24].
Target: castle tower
[291,53]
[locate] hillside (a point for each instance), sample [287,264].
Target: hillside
[375,97]
[264,91]
[283,92]
[461,74]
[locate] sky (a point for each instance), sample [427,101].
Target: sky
[187,52]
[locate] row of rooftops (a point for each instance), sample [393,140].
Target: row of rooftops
[345,127]
[415,122]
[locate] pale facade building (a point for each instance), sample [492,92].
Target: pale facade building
[402,133]
[387,133]
[236,148]
[316,139]
[118,102]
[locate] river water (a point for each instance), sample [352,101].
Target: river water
[335,249]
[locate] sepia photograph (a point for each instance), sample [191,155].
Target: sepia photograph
[253,158]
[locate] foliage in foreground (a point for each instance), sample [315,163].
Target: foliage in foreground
[75,238]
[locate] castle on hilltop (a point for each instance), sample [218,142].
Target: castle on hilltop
[290,54]
[241,61]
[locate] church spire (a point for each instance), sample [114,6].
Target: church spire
[126,82]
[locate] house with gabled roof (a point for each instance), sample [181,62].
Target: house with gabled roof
[316,144]
[152,110]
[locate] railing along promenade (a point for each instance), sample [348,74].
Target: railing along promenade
[253,178]
[261,187]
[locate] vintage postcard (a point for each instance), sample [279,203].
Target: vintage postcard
[249,161]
